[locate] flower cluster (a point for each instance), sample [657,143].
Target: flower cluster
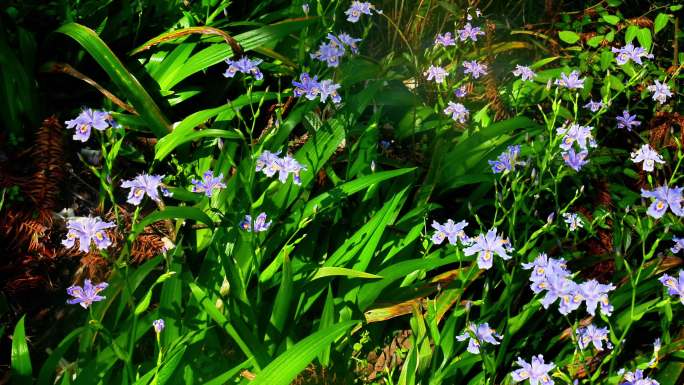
[675,286]
[627,121]
[141,185]
[437,73]
[87,230]
[593,335]
[507,160]
[648,156]
[474,68]
[486,246]
[594,106]
[331,51]
[553,276]
[536,371]
[89,119]
[457,111]
[86,295]
[270,163]
[582,136]
[469,32]
[260,223]
[664,197]
[451,231]
[524,72]
[573,220]
[571,82]
[661,91]
[209,184]
[445,40]
[158,325]
[477,335]
[359,8]
[312,88]
[630,52]
[245,66]
[636,378]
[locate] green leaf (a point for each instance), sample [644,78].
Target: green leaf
[595,41]
[610,19]
[328,271]
[20,366]
[569,37]
[645,39]
[224,378]
[295,359]
[282,305]
[660,22]
[631,33]
[186,129]
[169,366]
[124,80]
[243,338]
[173,212]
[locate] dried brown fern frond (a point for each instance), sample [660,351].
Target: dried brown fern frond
[44,186]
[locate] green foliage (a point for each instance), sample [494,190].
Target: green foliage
[349,262]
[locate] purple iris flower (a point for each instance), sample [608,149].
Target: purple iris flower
[87,120]
[629,52]
[524,72]
[358,8]
[469,32]
[477,335]
[592,335]
[208,184]
[664,197]
[575,160]
[488,245]
[678,245]
[268,163]
[158,325]
[86,295]
[594,106]
[637,378]
[87,230]
[445,40]
[594,294]
[544,267]
[307,87]
[451,231]
[536,371]
[674,286]
[573,220]
[330,52]
[474,68]
[329,89]
[141,185]
[244,65]
[289,165]
[260,223]
[507,160]
[627,121]
[647,155]
[350,42]
[461,91]
[576,133]
[571,81]
[661,91]
[558,286]
[437,73]
[457,111]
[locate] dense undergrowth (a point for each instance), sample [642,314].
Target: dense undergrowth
[340,192]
